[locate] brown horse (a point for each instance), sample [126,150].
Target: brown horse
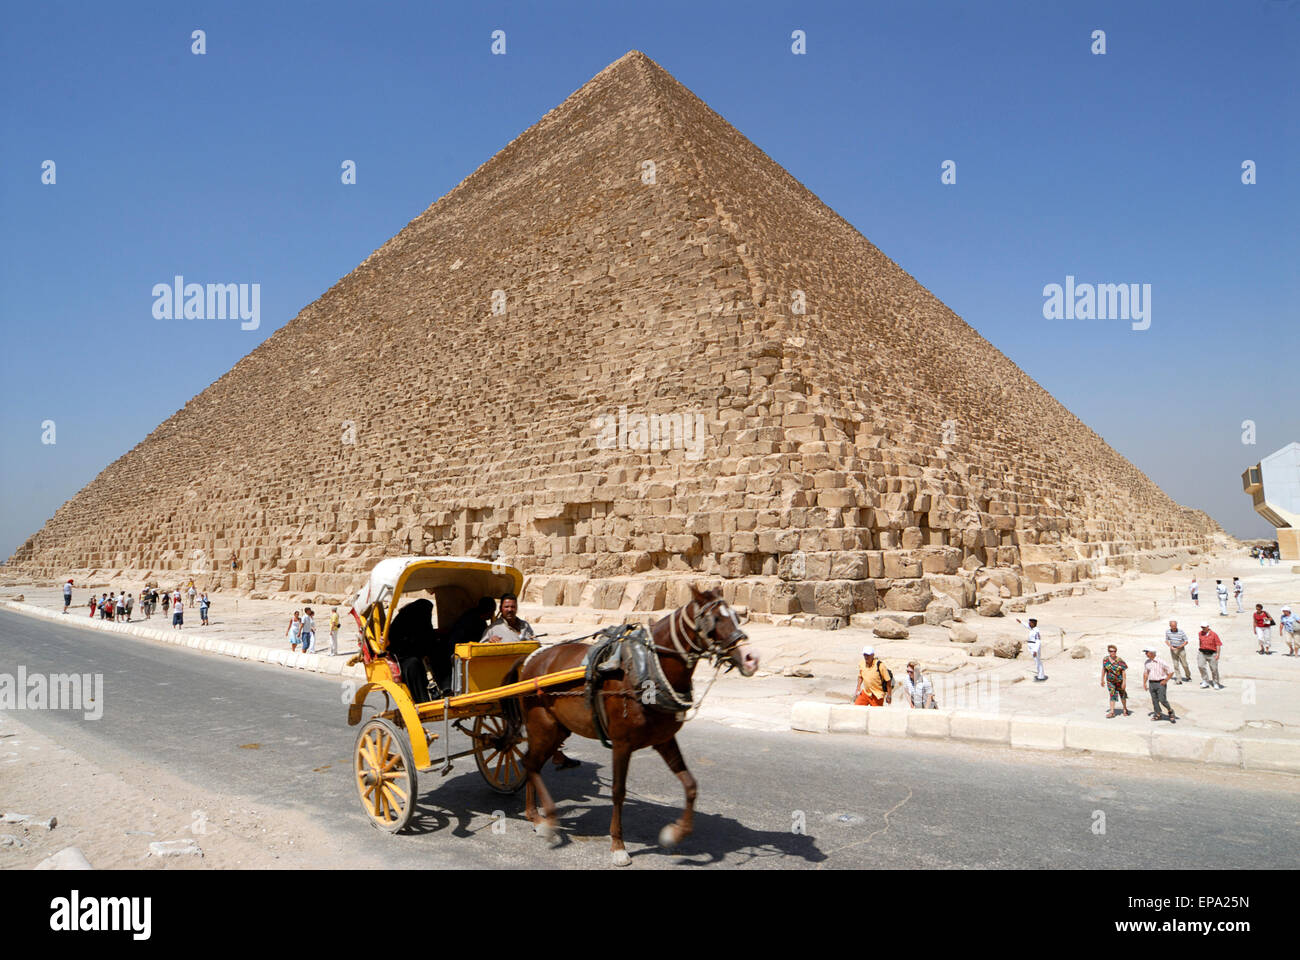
[706,627]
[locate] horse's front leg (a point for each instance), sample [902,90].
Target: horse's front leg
[622,755]
[675,833]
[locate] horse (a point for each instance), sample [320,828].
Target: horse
[705,627]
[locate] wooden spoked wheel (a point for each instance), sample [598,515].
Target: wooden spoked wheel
[500,756]
[385,775]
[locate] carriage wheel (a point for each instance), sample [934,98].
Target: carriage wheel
[500,757]
[385,774]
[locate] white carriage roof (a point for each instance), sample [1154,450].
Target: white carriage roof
[476,575]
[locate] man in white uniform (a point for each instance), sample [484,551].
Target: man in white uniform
[1239,591]
[1035,645]
[1222,591]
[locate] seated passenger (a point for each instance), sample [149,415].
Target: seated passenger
[411,638]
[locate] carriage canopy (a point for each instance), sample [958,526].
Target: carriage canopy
[455,582]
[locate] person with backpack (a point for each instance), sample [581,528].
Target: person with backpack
[875,683]
[204,603]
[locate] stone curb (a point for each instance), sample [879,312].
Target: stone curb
[1027,732]
[331,666]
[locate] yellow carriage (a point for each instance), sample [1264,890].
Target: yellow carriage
[393,745]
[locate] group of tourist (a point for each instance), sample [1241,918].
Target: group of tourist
[876,684]
[119,607]
[1271,555]
[302,631]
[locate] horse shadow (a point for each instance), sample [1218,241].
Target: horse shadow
[584,807]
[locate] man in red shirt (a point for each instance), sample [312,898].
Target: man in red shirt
[1208,644]
[1263,626]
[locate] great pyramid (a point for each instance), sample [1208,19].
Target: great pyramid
[479,384]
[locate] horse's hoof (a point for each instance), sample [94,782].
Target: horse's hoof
[547,833]
[621,858]
[669,836]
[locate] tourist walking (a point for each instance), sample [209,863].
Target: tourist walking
[67,596]
[204,603]
[1196,592]
[1263,631]
[295,625]
[1176,640]
[1113,670]
[1239,591]
[875,683]
[94,604]
[192,593]
[308,632]
[334,632]
[1288,629]
[1208,646]
[178,613]
[167,602]
[1155,677]
[1221,589]
[920,691]
[130,604]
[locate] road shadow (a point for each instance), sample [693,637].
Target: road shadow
[582,797]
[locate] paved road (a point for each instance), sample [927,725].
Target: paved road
[864,803]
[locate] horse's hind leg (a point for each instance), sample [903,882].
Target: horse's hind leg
[675,833]
[542,738]
[622,755]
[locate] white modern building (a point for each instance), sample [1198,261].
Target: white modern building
[1274,488]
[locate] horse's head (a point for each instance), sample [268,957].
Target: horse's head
[717,625]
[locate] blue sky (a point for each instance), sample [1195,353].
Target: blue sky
[1122,168]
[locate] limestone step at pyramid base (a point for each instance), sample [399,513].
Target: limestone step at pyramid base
[626,352]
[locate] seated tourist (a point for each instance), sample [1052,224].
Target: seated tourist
[411,638]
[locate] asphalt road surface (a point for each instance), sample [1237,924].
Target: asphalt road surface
[766,799]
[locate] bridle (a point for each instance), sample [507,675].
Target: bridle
[685,634]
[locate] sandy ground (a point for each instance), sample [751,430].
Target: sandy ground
[112,810]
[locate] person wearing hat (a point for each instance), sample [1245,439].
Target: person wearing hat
[875,683]
[67,596]
[1288,628]
[1208,645]
[1155,677]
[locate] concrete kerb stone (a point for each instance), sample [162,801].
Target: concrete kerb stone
[1050,733]
[1037,733]
[240,651]
[981,727]
[1195,747]
[848,718]
[811,717]
[1260,754]
[928,723]
[1082,735]
[886,722]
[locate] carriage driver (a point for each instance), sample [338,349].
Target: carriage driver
[509,628]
